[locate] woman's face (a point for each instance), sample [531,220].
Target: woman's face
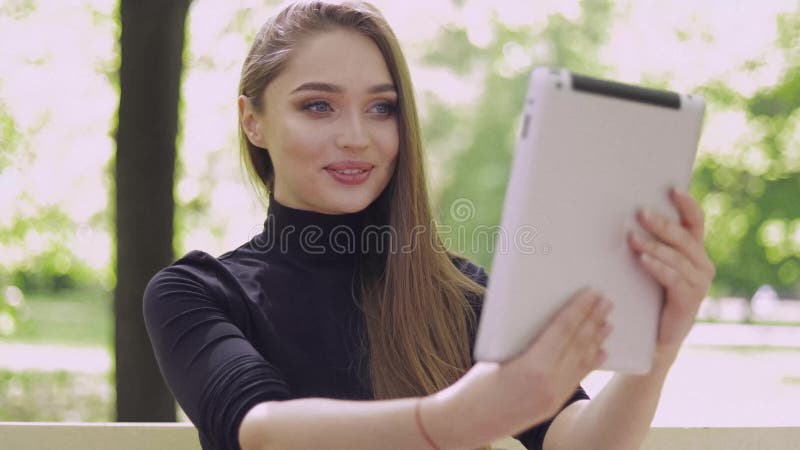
[330,111]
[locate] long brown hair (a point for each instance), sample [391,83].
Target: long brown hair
[416,303]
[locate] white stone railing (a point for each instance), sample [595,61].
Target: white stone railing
[183,436]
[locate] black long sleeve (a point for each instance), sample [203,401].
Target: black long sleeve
[269,320]
[211,367]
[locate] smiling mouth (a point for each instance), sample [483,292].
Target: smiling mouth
[348,171]
[350,176]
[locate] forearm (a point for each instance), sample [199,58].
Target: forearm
[327,423]
[618,418]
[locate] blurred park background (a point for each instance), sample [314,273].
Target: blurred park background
[60,168]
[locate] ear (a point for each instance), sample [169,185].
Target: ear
[250,123]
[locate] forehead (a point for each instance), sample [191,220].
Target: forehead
[340,56]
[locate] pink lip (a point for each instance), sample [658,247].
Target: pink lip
[349,179]
[349,164]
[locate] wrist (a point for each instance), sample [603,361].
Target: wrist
[431,411]
[467,414]
[421,426]
[436,420]
[664,357]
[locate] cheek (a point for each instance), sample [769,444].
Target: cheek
[389,142]
[303,148]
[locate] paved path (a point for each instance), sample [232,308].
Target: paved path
[97,360]
[712,387]
[728,334]
[17,357]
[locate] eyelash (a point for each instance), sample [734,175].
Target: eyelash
[391,107]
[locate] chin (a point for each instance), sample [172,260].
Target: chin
[349,205]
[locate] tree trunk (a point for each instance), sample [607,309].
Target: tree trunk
[151,43]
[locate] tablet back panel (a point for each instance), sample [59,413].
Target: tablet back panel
[589,153]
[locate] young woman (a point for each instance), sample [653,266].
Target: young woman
[346,324]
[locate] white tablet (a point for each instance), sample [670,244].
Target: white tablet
[590,153]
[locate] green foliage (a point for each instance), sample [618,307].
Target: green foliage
[780,100]
[788,37]
[753,210]
[452,49]
[10,137]
[479,172]
[43,234]
[740,207]
[55,267]
[17,9]
[721,95]
[751,199]
[13,310]
[575,45]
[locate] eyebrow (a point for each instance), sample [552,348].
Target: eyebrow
[327,87]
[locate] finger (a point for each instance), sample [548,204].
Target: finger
[587,355]
[600,313]
[693,218]
[599,358]
[566,322]
[604,331]
[674,235]
[691,213]
[591,335]
[577,311]
[663,273]
[594,334]
[668,256]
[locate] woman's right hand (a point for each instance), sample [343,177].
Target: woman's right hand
[493,400]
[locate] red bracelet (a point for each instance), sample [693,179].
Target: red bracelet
[422,427]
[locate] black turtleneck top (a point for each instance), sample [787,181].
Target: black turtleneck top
[274,319]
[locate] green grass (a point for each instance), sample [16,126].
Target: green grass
[59,396]
[749,349]
[35,396]
[77,318]
[755,322]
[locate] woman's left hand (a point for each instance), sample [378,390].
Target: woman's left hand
[677,259]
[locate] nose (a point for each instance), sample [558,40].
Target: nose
[353,134]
